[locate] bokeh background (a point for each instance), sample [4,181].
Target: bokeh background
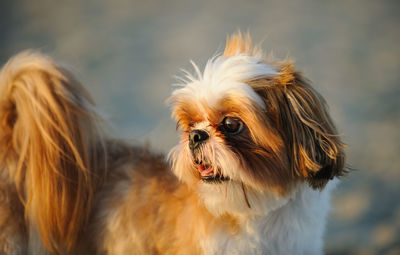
[126,53]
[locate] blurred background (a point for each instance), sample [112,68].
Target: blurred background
[126,53]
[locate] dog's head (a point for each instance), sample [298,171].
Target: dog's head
[251,128]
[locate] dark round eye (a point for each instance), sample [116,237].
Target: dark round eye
[232,125]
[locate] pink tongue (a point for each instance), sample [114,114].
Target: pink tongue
[205,171]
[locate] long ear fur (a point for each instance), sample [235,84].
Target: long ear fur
[316,152]
[50,143]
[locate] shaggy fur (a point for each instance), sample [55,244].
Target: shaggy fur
[68,188]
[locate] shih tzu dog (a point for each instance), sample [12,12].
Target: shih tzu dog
[252,173]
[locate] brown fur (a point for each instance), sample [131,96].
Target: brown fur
[300,114]
[83,192]
[293,139]
[258,146]
[61,175]
[45,149]
[13,231]
[154,213]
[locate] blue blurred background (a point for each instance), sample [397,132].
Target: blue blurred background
[126,53]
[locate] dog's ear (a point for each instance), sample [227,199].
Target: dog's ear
[315,151]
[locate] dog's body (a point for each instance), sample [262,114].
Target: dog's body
[165,217]
[250,175]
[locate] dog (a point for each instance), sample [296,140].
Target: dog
[253,172]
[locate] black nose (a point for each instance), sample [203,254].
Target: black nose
[196,137]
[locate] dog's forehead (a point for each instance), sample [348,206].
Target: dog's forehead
[205,124]
[201,111]
[225,77]
[208,96]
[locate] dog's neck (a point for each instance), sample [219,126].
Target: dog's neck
[287,226]
[242,202]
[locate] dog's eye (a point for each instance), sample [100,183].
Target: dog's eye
[232,125]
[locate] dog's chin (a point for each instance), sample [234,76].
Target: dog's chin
[223,191]
[235,198]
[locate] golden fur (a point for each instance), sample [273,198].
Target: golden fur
[152,210]
[71,189]
[296,109]
[240,44]
[46,151]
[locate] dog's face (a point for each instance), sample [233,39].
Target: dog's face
[251,132]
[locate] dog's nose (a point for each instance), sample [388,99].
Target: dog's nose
[196,137]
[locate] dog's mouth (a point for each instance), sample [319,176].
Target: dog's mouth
[209,174]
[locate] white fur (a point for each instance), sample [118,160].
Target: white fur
[229,198]
[222,77]
[295,227]
[268,223]
[217,153]
[291,224]
[273,224]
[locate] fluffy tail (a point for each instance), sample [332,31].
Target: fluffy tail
[50,145]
